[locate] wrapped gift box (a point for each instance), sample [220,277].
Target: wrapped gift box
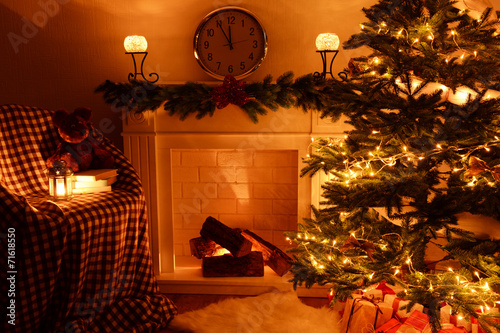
[417,322]
[450,328]
[476,328]
[378,291]
[390,327]
[397,303]
[458,321]
[362,315]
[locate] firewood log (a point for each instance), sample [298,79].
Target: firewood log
[251,264]
[228,238]
[276,259]
[202,247]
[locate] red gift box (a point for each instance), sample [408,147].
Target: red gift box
[458,321]
[397,303]
[450,328]
[390,327]
[378,292]
[476,327]
[417,321]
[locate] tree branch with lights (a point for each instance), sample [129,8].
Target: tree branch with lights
[424,148]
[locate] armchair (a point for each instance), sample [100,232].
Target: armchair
[81,265]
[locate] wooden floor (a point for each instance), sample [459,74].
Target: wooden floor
[187,303]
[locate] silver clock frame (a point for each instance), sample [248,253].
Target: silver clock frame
[208,17]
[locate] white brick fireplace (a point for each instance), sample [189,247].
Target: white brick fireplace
[244,174]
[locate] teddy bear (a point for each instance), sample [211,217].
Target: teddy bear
[80,148]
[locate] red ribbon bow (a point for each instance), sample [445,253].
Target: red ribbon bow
[478,166]
[231,91]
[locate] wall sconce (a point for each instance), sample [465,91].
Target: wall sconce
[137,45]
[328,43]
[60,181]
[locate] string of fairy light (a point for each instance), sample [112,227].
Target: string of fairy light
[480,289]
[424,33]
[376,160]
[355,167]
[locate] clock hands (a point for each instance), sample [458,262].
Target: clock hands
[240,41]
[227,38]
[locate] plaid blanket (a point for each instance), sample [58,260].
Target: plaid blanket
[75,266]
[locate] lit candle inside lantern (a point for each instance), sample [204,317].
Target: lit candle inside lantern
[135,44]
[327,42]
[60,188]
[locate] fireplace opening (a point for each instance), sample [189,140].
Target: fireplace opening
[255,190]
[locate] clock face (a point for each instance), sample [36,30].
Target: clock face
[230,41]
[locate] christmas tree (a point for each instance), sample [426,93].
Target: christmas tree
[422,151]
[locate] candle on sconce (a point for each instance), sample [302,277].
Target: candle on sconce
[327,42]
[135,44]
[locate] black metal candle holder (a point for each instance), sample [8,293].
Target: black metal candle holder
[324,56]
[133,76]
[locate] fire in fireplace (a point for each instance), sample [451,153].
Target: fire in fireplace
[245,252]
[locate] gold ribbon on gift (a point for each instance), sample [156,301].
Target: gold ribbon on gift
[477,166]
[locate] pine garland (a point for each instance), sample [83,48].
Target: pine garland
[305,92]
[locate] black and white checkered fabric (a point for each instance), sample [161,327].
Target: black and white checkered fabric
[81,265]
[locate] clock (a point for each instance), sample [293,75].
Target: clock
[230,41]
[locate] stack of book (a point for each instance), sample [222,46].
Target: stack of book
[94,181]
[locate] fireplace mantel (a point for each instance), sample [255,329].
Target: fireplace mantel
[150,137]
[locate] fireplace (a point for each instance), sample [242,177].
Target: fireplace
[244,174]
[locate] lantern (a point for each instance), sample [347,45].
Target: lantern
[60,181]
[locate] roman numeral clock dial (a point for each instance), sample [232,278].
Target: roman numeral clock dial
[230,41]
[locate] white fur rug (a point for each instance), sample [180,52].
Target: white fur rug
[274,312]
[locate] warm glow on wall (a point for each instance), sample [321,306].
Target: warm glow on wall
[135,44]
[327,42]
